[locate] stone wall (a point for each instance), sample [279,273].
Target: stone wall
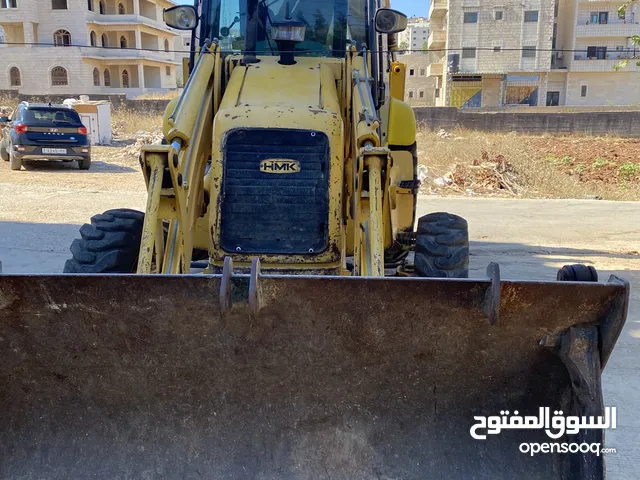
[118,101]
[622,123]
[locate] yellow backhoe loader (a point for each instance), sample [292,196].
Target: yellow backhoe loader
[274,313]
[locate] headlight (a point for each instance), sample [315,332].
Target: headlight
[288,31]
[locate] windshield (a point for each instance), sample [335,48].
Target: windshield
[46,116]
[331,25]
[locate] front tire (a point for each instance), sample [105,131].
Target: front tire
[442,246]
[109,244]
[4,153]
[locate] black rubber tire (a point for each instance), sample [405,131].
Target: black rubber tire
[4,153]
[84,164]
[577,273]
[110,244]
[442,246]
[14,163]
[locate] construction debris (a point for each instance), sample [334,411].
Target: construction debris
[142,138]
[484,176]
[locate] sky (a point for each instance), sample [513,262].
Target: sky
[411,8]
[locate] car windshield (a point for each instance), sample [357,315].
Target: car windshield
[42,116]
[331,25]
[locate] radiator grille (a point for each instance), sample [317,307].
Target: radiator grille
[273,213]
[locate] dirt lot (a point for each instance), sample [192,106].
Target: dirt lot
[488,164]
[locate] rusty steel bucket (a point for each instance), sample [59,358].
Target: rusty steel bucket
[291,377]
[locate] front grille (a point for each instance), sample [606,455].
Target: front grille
[275,213]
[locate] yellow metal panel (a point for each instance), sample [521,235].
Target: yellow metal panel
[402,123]
[397,80]
[308,100]
[185,70]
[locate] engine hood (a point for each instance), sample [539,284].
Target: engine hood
[307,85]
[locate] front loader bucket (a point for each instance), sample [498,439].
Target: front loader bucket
[282,377]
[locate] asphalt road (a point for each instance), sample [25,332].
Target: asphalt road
[529,239]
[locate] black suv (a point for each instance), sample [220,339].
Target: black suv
[44,132]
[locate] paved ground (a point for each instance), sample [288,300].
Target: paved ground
[529,238]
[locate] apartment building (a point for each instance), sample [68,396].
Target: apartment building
[415,37]
[488,53]
[535,52]
[86,47]
[596,38]
[419,88]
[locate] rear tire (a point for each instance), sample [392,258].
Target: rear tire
[14,163]
[109,244]
[442,246]
[84,164]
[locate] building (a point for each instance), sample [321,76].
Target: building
[415,36]
[86,47]
[419,88]
[496,53]
[537,53]
[595,38]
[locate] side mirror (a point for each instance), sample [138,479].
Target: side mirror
[4,119]
[181,17]
[390,21]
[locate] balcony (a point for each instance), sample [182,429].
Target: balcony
[582,64]
[438,8]
[435,70]
[437,38]
[119,20]
[608,30]
[121,54]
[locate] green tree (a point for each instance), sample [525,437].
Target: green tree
[425,47]
[634,39]
[403,46]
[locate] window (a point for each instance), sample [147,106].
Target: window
[528,52]
[437,93]
[422,72]
[498,15]
[470,17]
[90,5]
[583,90]
[469,52]
[421,94]
[125,79]
[121,10]
[410,93]
[96,77]
[497,49]
[620,48]
[105,40]
[411,72]
[8,3]
[59,76]
[92,39]
[59,4]
[603,17]
[62,38]
[167,71]
[531,16]
[599,53]
[166,45]
[14,77]
[102,9]
[123,42]
[107,77]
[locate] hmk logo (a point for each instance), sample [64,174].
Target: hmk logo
[279,166]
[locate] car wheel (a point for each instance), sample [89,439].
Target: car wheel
[14,163]
[84,164]
[4,154]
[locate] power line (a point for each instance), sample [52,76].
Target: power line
[399,51]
